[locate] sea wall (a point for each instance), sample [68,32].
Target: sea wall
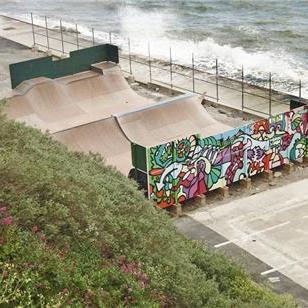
[183,169]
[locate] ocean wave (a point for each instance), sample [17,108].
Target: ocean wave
[159,30]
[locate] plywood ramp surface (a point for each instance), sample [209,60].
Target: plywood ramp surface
[170,120]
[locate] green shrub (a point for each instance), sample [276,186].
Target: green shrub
[76,232]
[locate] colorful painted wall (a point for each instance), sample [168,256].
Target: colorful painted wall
[183,169]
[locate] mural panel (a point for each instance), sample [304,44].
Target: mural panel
[183,169]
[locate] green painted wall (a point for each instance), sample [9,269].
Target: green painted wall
[79,61]
[139,157]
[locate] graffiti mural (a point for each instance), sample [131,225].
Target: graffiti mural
[183,169]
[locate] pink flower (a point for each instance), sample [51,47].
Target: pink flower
[65,291]
[6,221]
[35,229]
[3,209]
[122,260]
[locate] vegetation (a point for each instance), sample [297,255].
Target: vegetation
[76,232]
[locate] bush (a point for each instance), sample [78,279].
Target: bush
[76,232]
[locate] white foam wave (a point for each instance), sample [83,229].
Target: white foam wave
[144,28]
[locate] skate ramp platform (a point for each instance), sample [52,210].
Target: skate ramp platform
[97,111]
[104,137]
[63,103]
[173,119]
[153,124]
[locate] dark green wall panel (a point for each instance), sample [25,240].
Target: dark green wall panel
[139,157]
[79,61]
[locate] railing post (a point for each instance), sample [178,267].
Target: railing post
[61,32]
[129,57]
[150,65]
[33,33]
[243,88]
[110,42]
[270,94]
[193,71]
[217,81]
[93,37]
[171,77]
[47,36]
[77,37]
[300,89]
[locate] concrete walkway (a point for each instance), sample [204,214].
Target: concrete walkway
[21,32]
[272,226]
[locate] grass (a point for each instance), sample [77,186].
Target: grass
[74,231]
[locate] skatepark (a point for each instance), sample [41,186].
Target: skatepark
[174,148]
[97,111]
[85,102]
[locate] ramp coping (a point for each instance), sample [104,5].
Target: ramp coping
[155,104]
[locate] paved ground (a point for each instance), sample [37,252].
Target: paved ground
[11,52]
[266,233]
[21,32]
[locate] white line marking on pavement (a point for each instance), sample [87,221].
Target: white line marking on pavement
[282,267]
[252,234]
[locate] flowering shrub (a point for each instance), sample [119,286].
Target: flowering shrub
[74,232]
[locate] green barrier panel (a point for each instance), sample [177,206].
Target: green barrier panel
[139,157]
[79,61]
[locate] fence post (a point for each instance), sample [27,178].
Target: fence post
[300,89]
[242,88]
[61,31]
[77,37]
[217,82]
[33,34]
[171,77]
[47,36]
[150,65]
[93,37]
[193,71]
[270,94]
[110,38]
[129,57]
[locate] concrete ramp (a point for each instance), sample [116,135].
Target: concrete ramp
[169,120]
[66,102]
[103,137]
[83,112]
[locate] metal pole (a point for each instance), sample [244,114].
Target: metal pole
[77,37]
[171,77]
[47,37]
[300,89]
[61,31]
[93,37]
[270,94]
[33,34]
[110,38]
[150,64]
[242,88]
[193,71]
[217,81]
[129,57]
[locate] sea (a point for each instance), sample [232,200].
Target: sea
[262,36]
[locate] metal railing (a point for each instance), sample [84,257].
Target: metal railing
[175,71]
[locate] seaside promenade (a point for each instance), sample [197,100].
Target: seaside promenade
[219,90]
